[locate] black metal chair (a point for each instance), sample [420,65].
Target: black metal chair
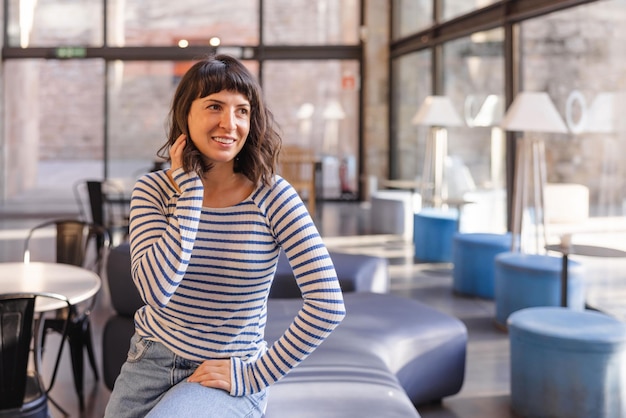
[102,203]
[74,240]
[119,327]
[22,390]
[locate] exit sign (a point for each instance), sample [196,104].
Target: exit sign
[71,52]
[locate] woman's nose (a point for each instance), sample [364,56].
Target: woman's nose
[228,120]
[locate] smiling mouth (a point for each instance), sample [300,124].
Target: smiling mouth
[226,141]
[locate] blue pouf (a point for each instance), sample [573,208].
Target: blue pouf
[473,256]
[433,231]
[527,280]
[567,364]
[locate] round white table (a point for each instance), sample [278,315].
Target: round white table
[75,283]
[576,249]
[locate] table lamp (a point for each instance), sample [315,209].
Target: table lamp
[601,123]
[530,112]
[436,112]
[333,113]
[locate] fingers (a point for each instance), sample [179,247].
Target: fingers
[214,374]
[176,152]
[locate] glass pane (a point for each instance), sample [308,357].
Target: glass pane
[311,22]
[410,16]
[474,82]
[586,167]
[146,23]
[321,115]
[54,128]
[455,8]
[411,84]
[140,95]
[53,23]
[588,92]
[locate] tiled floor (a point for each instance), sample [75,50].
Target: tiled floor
[345,226]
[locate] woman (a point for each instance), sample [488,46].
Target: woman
[205,237]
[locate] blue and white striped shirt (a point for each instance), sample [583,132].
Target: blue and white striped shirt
[205,274]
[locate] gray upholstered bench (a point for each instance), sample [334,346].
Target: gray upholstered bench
[392,212]
[356,273]
[389,354]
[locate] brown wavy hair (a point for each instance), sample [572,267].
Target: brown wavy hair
[258,158]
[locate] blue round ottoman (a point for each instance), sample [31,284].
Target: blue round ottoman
[433,231]
[473,257]
[527,280]
[567,363]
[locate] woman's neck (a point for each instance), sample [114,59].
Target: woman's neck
[224,187]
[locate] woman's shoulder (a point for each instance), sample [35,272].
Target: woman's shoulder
[152,177]
[279,184]
[276,188]
[154,180]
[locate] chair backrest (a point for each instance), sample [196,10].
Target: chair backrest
[101,202]
[16,331]
[72,241]
[124,295]
[16,318]
[297,166]
[96,201]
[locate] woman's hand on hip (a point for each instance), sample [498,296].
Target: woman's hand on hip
[213,374]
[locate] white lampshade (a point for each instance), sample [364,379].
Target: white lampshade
[491,111]
[601,115]
[305,111]
[437,111]
[533,112]
[334,111]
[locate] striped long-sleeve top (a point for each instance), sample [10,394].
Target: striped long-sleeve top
[205,274]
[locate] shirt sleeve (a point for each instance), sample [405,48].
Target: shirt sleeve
[164,220]
[322,309]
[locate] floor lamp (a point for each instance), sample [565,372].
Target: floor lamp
[490,115]
[601,122]
[436,112]
[530,112]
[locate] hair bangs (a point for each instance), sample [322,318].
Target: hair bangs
[217,75]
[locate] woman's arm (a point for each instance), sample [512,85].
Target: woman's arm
[164,220]
[322,308]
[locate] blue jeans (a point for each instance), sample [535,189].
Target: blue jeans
[153,383]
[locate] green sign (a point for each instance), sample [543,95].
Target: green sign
[71,52]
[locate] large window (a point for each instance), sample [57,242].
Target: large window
[200,22]
[140,93]
[473,80]
[410,16]
[412,83]
[82,108]
[54,23]
[585,45]
[322,116]
[486,52]
[53,126]
[311,22]
[576,56]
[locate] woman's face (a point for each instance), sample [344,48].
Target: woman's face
[219,125]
